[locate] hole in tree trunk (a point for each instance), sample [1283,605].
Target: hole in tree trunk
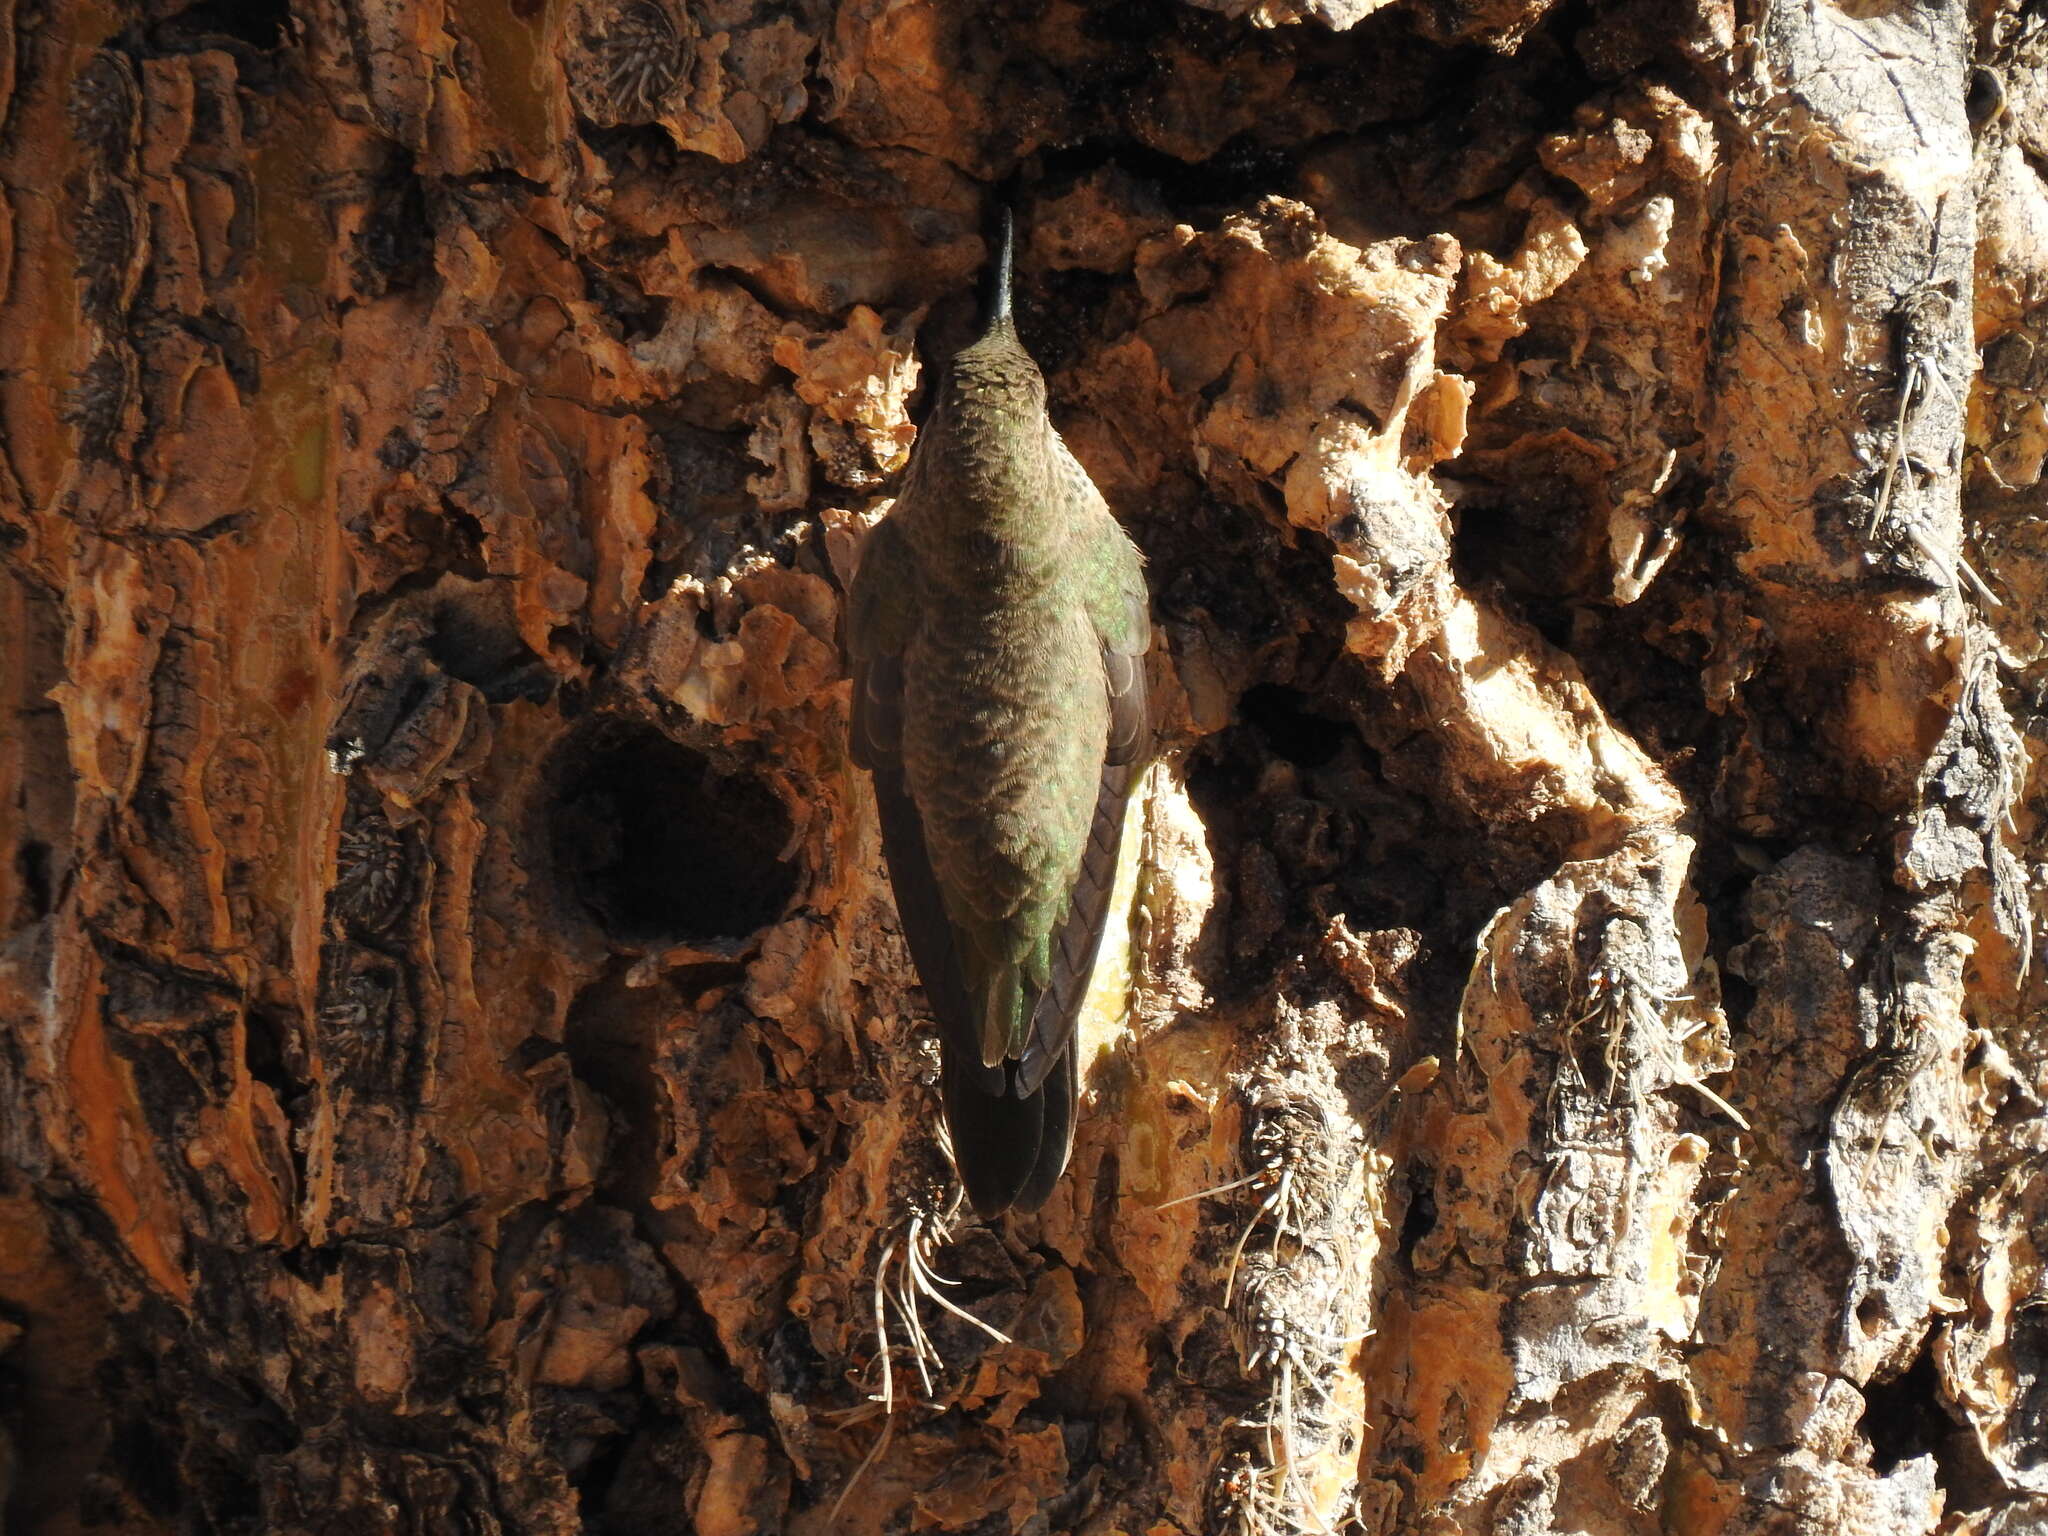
[1904,1416]
[1419,1220]
[261,24]
[660,844]
[1289,725]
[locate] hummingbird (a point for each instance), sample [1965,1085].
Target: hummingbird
[995,628]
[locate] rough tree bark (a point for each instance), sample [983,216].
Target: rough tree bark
[460,1072]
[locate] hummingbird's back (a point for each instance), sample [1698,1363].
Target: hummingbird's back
[994,627]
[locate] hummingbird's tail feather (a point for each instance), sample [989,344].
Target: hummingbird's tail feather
[1010,1151]
[1056,1141]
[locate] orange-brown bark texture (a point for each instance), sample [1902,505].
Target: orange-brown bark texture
[1570,1056]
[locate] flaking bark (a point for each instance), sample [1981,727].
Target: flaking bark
[1575,1059]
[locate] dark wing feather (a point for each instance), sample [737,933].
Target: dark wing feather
[1073,955]
[875,732]
[877,740]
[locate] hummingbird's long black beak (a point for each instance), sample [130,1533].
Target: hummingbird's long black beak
[996,299]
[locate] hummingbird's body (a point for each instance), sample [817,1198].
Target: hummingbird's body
[995,628]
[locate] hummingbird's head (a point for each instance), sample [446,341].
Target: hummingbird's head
[994,372]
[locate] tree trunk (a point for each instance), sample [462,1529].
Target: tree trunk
[1567,1059]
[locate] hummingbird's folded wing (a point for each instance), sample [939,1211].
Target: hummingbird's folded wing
[1125,626]
[876,634]
[1009,1146]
